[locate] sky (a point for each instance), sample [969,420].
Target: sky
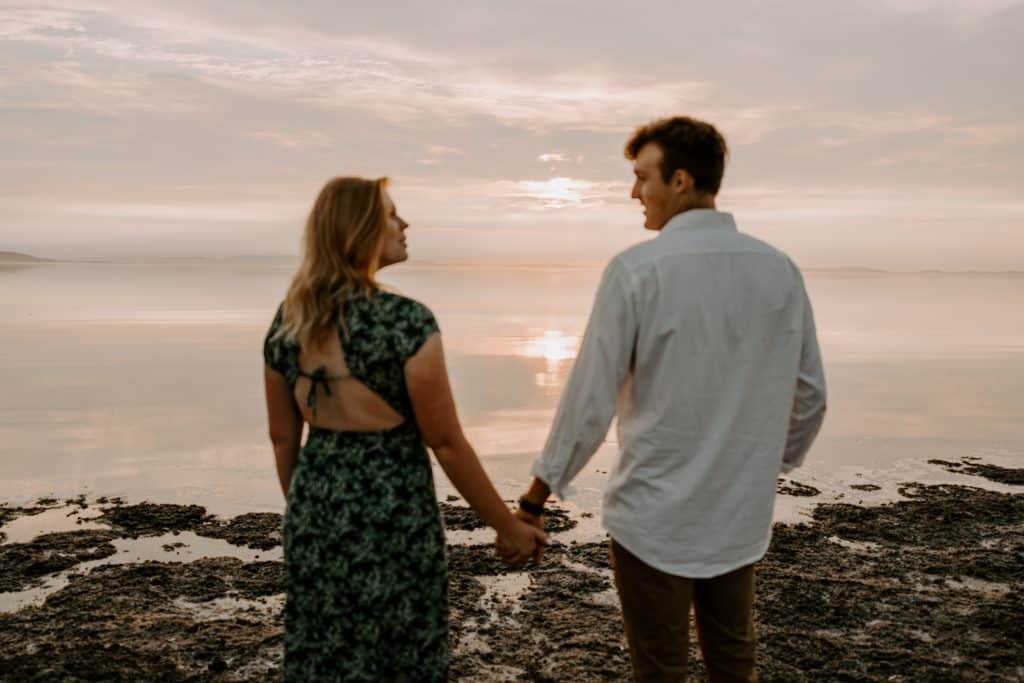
[863,133]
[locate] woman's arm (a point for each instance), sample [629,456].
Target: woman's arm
[427,380]
[285,423]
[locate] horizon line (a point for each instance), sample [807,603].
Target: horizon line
[21,258]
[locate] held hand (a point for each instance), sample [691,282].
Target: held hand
[536,521]
[521,543]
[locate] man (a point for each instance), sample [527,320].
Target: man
[702,341]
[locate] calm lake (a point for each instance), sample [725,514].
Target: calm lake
[144,380]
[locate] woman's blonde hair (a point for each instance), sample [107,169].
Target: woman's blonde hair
[341,248]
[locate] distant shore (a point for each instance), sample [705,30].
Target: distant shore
[930,587]
[16,257]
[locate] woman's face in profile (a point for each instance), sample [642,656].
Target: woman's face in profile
[392,248]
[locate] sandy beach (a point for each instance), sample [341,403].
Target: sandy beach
[929,587]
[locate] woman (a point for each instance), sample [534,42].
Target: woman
[367,585]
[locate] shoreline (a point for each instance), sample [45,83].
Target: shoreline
[930,587]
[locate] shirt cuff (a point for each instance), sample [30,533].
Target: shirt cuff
[542,471]
[788,467]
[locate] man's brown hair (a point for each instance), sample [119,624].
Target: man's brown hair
[687,143]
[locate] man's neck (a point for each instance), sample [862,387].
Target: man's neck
[701,203]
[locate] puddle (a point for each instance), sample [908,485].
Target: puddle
[165,548]
[228,608]
[181,547]
[15,600]
[504,588]
[992,588]
[856,546]
[474,537]
[64,518]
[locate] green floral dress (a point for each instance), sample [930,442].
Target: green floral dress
[367,584]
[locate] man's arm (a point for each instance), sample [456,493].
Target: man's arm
[537,494]
[588,401]
[809,400]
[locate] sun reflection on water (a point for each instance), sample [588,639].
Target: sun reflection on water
[556,349]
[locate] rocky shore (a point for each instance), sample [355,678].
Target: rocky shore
[927,588]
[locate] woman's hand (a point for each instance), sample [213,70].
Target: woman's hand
[519,543]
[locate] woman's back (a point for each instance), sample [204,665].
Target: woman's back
[352,379]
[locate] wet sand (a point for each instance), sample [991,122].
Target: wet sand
[927,588]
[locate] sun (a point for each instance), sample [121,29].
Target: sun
[552,346]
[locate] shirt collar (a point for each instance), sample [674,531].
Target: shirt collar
[700,218]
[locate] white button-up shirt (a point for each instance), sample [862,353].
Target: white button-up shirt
[702,341]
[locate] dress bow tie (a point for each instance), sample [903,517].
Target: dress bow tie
[318,377]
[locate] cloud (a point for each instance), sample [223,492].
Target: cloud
[961,11]
[32,23]
[443,150]
[121,111]
[302,139]
[387,80]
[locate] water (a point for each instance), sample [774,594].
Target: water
[145,380]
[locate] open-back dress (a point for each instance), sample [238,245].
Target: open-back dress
[367,585]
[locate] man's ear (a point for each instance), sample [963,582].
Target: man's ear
[682,181]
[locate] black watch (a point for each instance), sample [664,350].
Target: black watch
[532,508]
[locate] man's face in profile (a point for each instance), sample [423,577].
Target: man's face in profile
[650,188]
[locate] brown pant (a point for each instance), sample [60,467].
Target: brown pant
[656,613]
